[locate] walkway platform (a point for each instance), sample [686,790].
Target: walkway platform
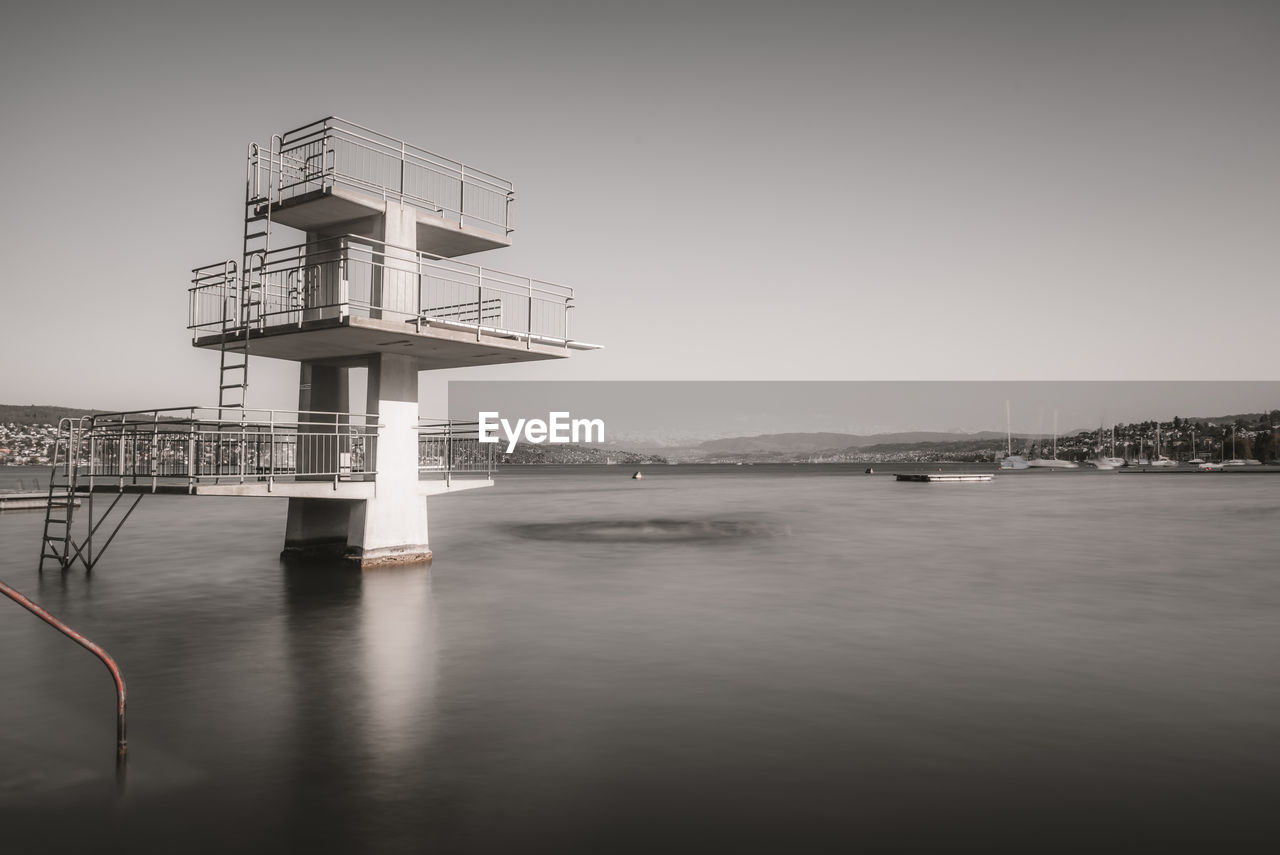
[31,500]
[283,489]
[945,477]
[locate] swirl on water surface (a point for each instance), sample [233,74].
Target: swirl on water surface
[646,531]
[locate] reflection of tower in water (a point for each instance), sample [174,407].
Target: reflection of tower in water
[398,647]
[363,667]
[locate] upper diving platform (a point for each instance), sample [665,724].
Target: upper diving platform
[334,177]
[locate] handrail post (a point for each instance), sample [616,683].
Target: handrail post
[462,193]
[191,452]
[155,450]
[271,452]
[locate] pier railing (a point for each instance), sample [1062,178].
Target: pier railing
[189,446]
[454,447]
[194,445]
[354,276]
[333,151]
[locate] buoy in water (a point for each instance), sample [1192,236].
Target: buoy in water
[636,477]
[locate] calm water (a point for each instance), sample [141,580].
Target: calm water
[712,659]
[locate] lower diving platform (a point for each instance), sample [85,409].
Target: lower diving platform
[342,505]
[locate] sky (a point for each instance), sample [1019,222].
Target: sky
[737,191]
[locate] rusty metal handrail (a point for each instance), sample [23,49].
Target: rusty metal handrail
[38,611]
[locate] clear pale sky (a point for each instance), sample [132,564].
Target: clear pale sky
[799,191]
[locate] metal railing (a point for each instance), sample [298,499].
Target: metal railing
[122,742]
[354,276]
[451,447]
[193,445]
[333,151]
[188,446]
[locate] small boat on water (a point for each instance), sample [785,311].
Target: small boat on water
[944,477]
[1210,467]
[1111,462]
[1053,462]
[1011,460]
[1161,461]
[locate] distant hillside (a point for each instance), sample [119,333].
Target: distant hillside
[809,443]
[40,414]
[526,453]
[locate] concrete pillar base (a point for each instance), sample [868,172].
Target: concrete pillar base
[387,556]
[335,550]
[320,550]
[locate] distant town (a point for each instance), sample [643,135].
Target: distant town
[28,435]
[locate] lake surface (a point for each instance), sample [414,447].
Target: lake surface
[712,659]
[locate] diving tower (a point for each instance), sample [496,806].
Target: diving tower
[350,258]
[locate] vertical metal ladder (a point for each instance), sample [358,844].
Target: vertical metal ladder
[248,279]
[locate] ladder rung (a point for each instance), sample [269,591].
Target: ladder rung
[252,235]
[234,386]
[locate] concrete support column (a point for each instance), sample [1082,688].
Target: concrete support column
[395,283]
[321,290]
[392,527]
[318,528]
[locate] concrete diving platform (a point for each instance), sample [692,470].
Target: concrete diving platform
[348,341]
[343,210]
[334,300]
[334,177]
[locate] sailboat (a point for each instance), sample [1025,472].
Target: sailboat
[1195,458]
[1140,460]
[1234,461]
[1053,462]
[1011,460]
[1111,462]
[1161,460]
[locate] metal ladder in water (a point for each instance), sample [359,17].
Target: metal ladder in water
[59,541]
